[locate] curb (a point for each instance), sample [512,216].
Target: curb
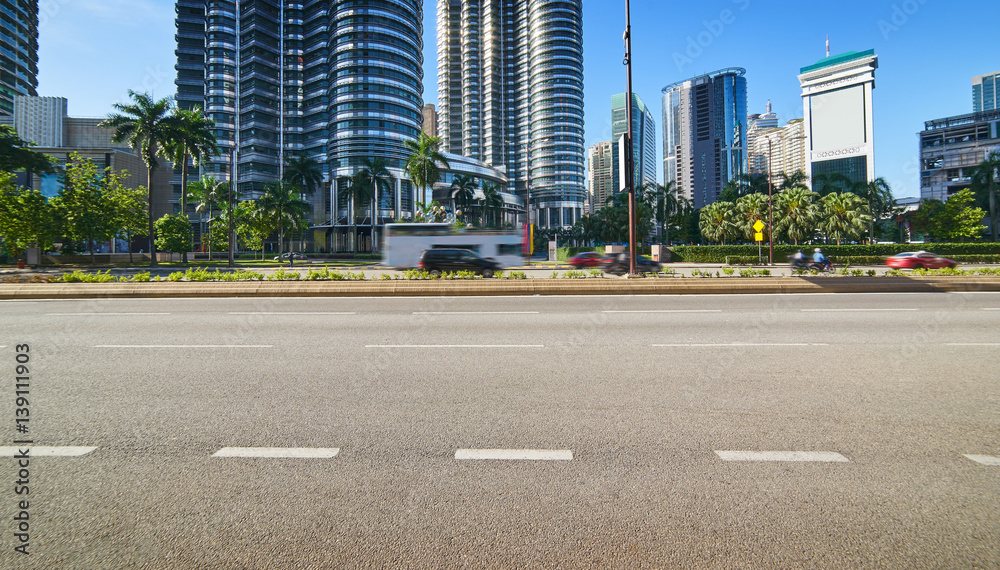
[492,287]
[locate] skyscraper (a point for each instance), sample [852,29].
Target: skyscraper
[985,96]
[337,82]
[704,133]
[643,144]
[757,122]
[510,92]
[18,51]
[600,182]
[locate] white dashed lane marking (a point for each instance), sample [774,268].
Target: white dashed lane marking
[985,460]
[475,312]
[853,310]
[516,454]
[739,344]
[279,452]
[671,311]
[820,456]
[290,313]
[454,346]
[46,451]
[102,314]
[183,346]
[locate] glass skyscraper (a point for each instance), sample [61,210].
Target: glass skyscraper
[338,82]
[704,133]
[510,92]
[985,94]
[643,143]
[18,51]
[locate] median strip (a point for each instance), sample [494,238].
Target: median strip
[516,454]
[798,456]
[279,452]
[46,451]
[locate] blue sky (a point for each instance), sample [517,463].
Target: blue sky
[93,51]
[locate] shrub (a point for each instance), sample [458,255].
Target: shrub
[572,274]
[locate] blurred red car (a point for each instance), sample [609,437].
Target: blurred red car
[588,259]
[919,260]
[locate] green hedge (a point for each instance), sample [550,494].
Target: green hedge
[965,252]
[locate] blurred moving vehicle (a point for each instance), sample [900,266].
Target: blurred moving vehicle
[294,254]
[919,260]
[405,242]
[619,264]
[586,259]
[439,260]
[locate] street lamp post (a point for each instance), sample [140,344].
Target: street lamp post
[527,196]
[629,158]
[770,208]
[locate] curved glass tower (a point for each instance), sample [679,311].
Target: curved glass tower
[18,51]
[510,92]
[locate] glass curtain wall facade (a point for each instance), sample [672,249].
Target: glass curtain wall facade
[985,92]
[704,133]
[510,92]
[643,145]
[336,82]
[18,51]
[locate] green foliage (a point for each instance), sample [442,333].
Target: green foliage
[513,275]
[16,154]
[728,270]
[81,277]
[173,233]
[861,254]
[954,219]
[87,202]
[27,218]
[281,275]
[326,275]
[141,277]
[594,272]
[573,274]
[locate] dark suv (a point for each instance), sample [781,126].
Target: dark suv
[438,261]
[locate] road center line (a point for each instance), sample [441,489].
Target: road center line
[516,454]
[475,312]
[101,314]
[820,456]
[46,451]
[853,310]
[279,452]
[289,313]
[454,346]
[183,346]
[972,344]
[739,344]
[985,460]
[671,311]
[991,308]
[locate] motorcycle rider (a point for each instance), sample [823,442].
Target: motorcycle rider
[821,259]
[799,258]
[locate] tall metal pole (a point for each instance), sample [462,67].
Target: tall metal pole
[232,191]
[629,158]
[770,209]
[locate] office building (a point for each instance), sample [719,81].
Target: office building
[643,144]
[756,123]
[984,92]
[837,109]
[510,92]
[951,148]
[18,51]
[704,133]
[600,182]
[778,150]
[430,124]
[337,82]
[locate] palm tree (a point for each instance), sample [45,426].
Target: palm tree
[718,222]
[843,216]
[281,205]
[463,191]
[493,200]
[146,125]
[304,173]
[422,166]
[208,193]
[191,137]
[666,203]
[796,179]
[985,177]
[880,202]
[824,184]
[749,209]
[796,213]
[365,186]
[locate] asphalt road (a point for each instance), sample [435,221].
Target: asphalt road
[777,431]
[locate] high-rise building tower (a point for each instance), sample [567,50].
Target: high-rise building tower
[600,179]
[337,82]
[704,133]
[644,140]
[986,92]
[18,51]
[510,92]
[756,123]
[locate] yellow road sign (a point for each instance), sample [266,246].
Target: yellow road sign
[758,236]
[758,226]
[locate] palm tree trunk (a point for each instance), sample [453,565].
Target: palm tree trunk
[149,204]
[184,181]
[993,209]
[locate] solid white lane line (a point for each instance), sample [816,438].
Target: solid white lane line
[985,460]
[101,314]
[821,456]
[991,308]
[475,312]
[852,310]
[516,454]
[972,344]
[183,346]
[279,452]
[454,346]
[46,451]
[740,344]
[288,313]
[671,311]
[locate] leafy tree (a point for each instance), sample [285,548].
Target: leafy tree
[843,216]
[463,192]
[16,154]
[833,183]
[173,233]
[984,180]
[719,222]
[282,208]
[191,136]
[27,218]
[955,219]
[880,203]
[146,125]
[423,163]
[795,213]
[86,202]
[130,213]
